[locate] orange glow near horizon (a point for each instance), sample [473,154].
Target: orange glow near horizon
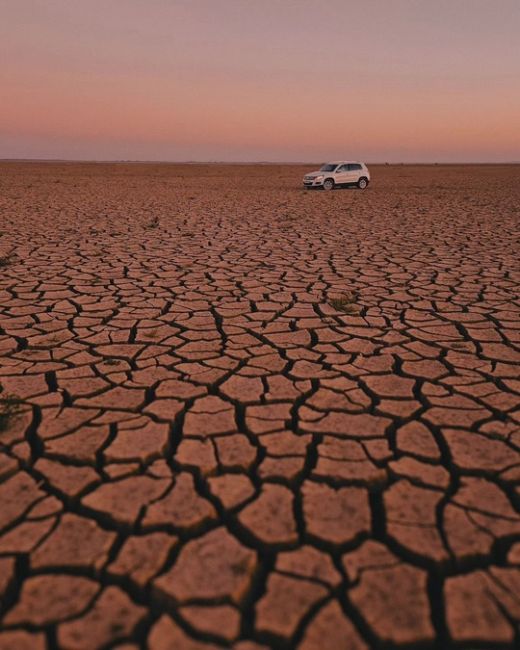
[185,81]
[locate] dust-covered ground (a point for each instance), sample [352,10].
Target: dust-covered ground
[238,414]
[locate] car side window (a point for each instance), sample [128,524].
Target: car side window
[342,168]
[354,167]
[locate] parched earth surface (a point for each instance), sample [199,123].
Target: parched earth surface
[236,414]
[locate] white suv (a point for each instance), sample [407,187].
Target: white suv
[338,173]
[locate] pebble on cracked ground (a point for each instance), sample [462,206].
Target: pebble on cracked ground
[236,414]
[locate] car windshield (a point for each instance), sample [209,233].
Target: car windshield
[328,167]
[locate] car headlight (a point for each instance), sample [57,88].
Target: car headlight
[319,178]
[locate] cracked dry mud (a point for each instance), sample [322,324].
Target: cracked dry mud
[211,455]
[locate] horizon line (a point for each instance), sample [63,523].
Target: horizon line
[123,161]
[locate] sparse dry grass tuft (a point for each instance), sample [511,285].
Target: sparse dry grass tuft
[7,259]
[153,223]
[10,407]
[345,303]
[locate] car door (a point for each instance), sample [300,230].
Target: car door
[341,175]
[353,173]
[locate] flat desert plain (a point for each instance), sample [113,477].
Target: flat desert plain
[238,414]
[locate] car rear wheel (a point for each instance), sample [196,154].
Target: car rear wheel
[328,184]
[362,183]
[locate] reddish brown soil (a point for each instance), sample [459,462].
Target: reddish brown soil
[258,417]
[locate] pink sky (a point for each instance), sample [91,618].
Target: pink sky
[249,80]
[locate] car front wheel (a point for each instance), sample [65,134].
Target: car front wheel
[328,184]
[362,183]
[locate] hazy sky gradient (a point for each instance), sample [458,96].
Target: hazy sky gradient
[248,80]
